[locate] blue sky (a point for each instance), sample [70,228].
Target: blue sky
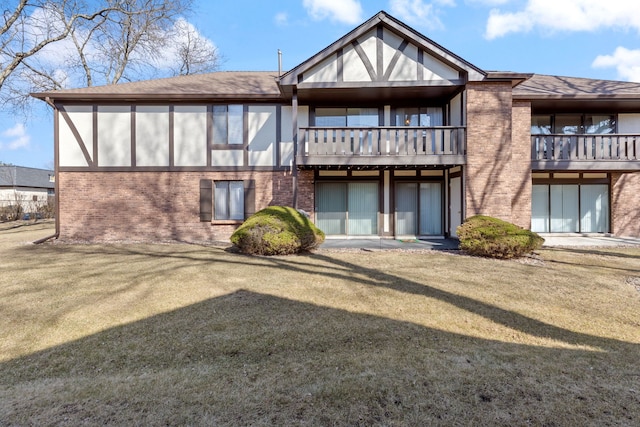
[580,38]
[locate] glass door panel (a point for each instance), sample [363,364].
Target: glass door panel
[362,208]
[406,208]
[331,199]
[430,208]
[540,208]
[594,208]
[564,208]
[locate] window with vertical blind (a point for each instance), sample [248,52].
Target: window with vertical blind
[570,208]
[418,208]
[419,116]
[228,125]
[347,208]
[226,200]
[347,117]
[570,124]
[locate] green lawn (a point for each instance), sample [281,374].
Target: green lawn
[176,334]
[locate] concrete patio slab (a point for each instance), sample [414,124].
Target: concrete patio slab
[551,240]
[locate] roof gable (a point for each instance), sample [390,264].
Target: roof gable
[380,51]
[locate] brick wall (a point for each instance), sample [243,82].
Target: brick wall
[108,206]
[625,204]
[521,164]
[489,179]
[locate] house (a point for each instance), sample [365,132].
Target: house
[383,133]
[24,190]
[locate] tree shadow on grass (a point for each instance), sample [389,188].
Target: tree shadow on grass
[249,358]
[253,359]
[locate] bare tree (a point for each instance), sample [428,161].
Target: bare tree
[49,44]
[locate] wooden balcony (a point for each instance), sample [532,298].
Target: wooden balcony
[381,146]
[585,152]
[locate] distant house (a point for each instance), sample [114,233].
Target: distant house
[383,133]
[25,190]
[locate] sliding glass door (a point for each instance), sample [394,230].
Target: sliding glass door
[347,208]
[570,208]
[418,208]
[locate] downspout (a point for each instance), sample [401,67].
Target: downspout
[294,163]
[55,174]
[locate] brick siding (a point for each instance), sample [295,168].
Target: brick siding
[110,206]
[489,179]
[625,203]
[521,164]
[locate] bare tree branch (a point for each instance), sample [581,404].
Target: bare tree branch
[47,45]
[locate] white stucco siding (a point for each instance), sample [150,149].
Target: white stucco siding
[437,70]
[455,108]
[262,135]
[286,132]
[406,69]
[226,157]
[190,135]
[353,68]
[152,136]
[325,71]
[70,149]
[629,123]
[114,136]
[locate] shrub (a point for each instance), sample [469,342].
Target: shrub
[491,237]
[277,230]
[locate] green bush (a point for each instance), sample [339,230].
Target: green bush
[491,237]
[277,230]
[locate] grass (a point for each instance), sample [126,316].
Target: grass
[163,334]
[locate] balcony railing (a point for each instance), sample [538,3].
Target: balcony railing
[382,145]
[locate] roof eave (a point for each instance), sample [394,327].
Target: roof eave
[136,97]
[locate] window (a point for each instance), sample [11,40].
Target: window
[228,124]
[426,117]
[228,199]
[570,208]
[347,117]
[571,124]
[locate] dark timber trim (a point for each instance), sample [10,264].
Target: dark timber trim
[340,64]
[278,142]
[209,133]
[133,136]
[94,114]
[171,138]
[76,134]
[365,60]
[379,51]
[394,60]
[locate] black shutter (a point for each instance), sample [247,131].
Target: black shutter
[206,202]
[249,198]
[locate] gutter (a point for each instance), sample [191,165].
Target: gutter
[55,174]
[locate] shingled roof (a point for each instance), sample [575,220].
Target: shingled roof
[541,86]
[231,85]
[20,176]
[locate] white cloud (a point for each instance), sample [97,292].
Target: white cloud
[344,11]
[15,138]
[626,61]
[488,2]
[419,13]
[281,18]
[565,15]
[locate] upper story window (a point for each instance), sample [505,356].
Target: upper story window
[570,124]
[228,124]
[347,117]
[422,116]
